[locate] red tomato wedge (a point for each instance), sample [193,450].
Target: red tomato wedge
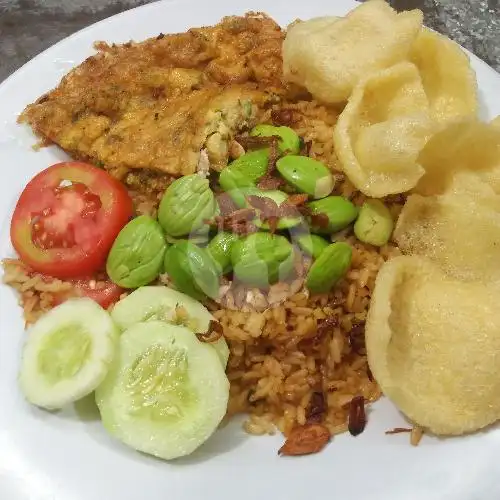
[104,292]
[67,219]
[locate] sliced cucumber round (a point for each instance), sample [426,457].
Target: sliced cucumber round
[166,391]
[67,353]
[162,303]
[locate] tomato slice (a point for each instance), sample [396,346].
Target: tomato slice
[67,219]
[104,292]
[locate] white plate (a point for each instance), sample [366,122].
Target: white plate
[68,456]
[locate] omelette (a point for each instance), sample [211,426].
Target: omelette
[170,104]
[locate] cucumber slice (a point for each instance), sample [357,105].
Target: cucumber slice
[67,353]
[159,303]
[166,391]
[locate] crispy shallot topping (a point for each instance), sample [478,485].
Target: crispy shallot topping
[270,211]
[357,416]
[398,430]
[213,334]
[274,155]
[268,182]
[320,220]
[327,325]
[306,439]
[298,199]
[266,206]
[284,117]
[226,204]
[322,329]
[238,222]
[356,337]
[251,143]
[273,224]
[317,408]
[242,214]
[292,206]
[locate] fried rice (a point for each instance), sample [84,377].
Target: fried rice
[282,361]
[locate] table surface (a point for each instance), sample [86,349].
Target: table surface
[29,26]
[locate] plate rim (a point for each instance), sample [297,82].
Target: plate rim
[132,457]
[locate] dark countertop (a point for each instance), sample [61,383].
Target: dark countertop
[29,26]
